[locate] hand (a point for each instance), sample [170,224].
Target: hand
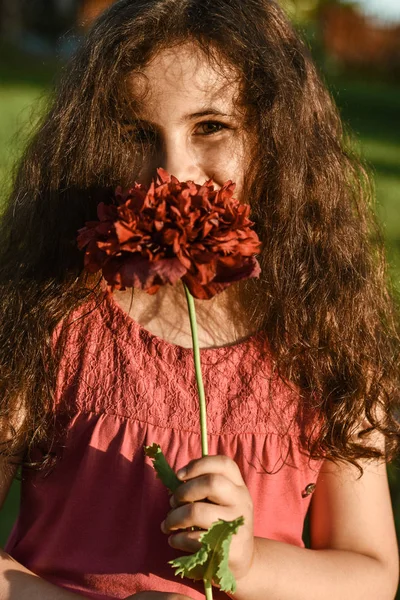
[216,479]
[157,596]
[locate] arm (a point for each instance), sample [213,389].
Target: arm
[354,553]
[17,583]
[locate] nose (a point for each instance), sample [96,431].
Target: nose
[183,167]
[180,159]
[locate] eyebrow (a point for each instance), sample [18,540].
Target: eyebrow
[205,113]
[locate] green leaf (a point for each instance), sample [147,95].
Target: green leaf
[191,566]
[163,470]
[210,563]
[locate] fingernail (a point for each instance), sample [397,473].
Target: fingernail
[181,474]
[172,502]
[163,529]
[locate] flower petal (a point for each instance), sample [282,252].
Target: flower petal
[203,292]
[230,269]
[127,271]
[169,231]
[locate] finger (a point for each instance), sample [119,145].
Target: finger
[212,486]
[212,464]
[150,595]
[195,514]
[186,541]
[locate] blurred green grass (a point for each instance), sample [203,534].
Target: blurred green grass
[370,108]
[24,85]
[16,122]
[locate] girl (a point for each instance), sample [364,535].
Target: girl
[300,366]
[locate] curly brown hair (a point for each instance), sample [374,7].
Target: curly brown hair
[323,298]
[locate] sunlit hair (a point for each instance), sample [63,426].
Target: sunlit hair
[322,300]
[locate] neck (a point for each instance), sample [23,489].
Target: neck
[220,320]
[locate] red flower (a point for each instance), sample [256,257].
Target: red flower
[174,230]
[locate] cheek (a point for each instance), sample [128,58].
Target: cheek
[223,161]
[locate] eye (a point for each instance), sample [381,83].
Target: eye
[141,135]
[209,128]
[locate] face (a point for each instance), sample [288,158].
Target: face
[188,121]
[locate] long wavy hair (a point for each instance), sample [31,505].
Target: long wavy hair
[323,299]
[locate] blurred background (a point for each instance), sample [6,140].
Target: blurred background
[356,45]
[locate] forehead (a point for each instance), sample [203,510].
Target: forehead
[183,77]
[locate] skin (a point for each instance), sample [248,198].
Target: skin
[157,596]
[353,551]
[213,488]
[353,542]
[218,480]
[190,123]
[190,118]
[175,89]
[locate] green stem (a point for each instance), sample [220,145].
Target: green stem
[208,589]
[202,398]
[197,367]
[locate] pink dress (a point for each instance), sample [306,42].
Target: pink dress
[92,525]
